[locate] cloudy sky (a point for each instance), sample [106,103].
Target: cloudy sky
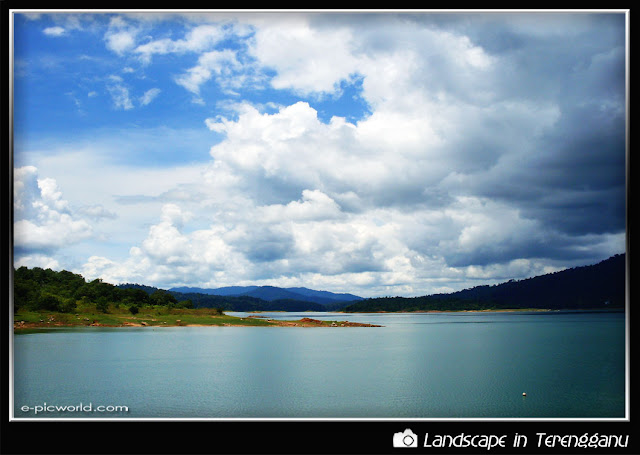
[372,153]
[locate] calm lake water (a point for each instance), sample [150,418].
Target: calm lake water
[442,365]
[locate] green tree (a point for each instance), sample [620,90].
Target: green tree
[49,302]
[184,304]
[135,296]
[163,298]
[67,306]
[25,294]
[102,305]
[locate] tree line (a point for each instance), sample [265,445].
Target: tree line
[240,303]
[40,289]
[598,286]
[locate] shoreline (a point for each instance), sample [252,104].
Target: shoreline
[505,310]
[501,310]
[44,320]
[225,321]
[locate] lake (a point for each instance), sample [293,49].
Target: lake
[428,365]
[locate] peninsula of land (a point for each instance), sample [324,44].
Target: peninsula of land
[201,317]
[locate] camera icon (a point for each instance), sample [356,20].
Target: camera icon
[406,438]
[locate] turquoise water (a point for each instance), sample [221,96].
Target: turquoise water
[443,365]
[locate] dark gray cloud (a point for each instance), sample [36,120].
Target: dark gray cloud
[266,244]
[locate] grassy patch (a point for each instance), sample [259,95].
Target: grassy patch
[154,317]
[119,317]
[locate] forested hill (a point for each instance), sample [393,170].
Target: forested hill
[40,289]
[599,286]
[235,302]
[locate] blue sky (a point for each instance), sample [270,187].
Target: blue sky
[372,153]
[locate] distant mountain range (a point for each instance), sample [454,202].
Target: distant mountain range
[272,293]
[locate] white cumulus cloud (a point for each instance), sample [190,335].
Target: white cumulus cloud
[43,219]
